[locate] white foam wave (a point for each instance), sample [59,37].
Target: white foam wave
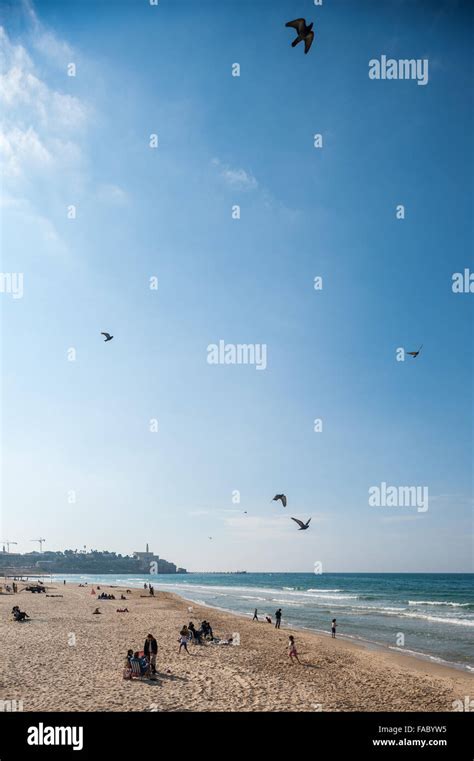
[438,619]
[436,602]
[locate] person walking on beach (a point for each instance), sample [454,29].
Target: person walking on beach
[333,628]
[151,650]
[183,639]
[278,618]
[292,652]
[255,617]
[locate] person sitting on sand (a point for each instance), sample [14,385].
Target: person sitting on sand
[122,597]
[122,610]
[96,612]
[333,628]
[292,653]
[135,661]
[144,665]
[196,635]
[183,639]
[268,619]
[206,629]
[19,615]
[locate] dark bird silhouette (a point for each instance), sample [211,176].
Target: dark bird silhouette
[108,337]
[304,33]
[415,353]
[302,526]
[281,497]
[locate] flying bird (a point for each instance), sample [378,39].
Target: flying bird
[108,337]
[415,353]
[302,526]
[280,497]
[304,33]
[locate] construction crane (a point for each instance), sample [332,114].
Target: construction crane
[40,543]
[7,543]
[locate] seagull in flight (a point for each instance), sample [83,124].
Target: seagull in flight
[108,337]
[302,526]
[304,33]
[415,353]
[280,497]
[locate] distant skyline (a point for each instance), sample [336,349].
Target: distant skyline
[143,438]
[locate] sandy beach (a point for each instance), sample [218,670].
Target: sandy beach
[67,659]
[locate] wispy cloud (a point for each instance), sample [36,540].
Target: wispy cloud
[30,105]
[239,179]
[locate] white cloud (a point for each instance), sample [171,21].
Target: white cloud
[239,179]
[40,124]
[20,149]
[21,211]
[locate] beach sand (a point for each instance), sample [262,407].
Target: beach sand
[66,659]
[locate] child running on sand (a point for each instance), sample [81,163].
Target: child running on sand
[183,639]
[292,652]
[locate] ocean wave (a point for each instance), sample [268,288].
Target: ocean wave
[325,590]
[438,619]
[335,597]
[443,602]
[249,597]
[418,654]
[308,594]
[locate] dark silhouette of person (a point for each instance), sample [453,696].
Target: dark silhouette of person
[150,650]
[278,618]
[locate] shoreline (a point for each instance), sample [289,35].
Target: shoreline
[67,659]
[358,642]
[363,642]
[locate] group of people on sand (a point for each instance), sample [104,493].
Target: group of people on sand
[292,651]
[151,590]
[9,589]
[268,618]
[144,662]
[189,634]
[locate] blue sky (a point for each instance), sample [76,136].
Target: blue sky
[83,425]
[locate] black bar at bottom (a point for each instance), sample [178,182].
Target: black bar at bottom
[97,735]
